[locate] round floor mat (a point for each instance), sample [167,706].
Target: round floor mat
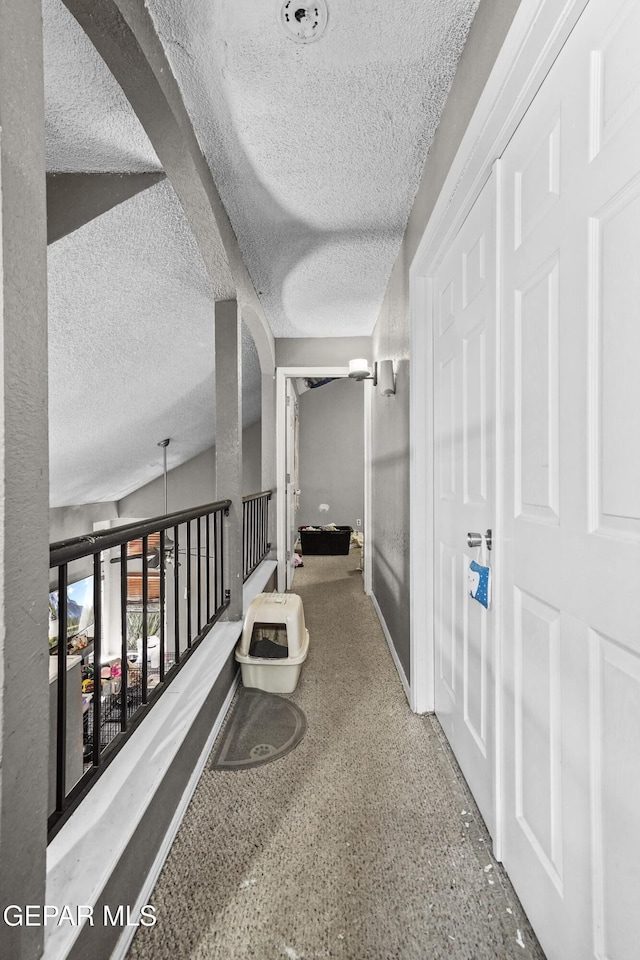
[260,728]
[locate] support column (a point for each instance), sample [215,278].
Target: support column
[269,458]
[24,481]
[228,370]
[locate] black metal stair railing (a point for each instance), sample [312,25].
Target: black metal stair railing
[255,526]
[158,587]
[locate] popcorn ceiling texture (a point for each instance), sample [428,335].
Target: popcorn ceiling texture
[90,126]
[317,152]
[316,149]
[131,350]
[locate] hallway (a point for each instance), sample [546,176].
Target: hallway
[363,843]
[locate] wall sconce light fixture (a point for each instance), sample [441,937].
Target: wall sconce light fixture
[385,378]
[382,374]
[359,369]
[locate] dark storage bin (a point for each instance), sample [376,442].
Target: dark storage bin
[325,542]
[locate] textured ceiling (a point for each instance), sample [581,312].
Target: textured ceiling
[89,124]
[131,350]
[130,304]
[316,149]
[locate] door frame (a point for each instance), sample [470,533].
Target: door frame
[537,34]
[282,374]
[291,446]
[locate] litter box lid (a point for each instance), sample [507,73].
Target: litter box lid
[283,608]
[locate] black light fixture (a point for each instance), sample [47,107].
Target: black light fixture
[168,542]
[164,444]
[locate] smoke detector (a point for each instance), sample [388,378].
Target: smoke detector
[302,21]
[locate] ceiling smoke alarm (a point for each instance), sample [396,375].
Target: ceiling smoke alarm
[303,22]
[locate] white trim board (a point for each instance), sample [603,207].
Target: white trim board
[392,649]
[421,569]
[368,489]
[83,855]
[539,30]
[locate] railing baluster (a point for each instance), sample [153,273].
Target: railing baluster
[124,661]
[145,620]
[199,571]
[245,540]
[207,547]
[188,583]
[254,550]
[61,729]
[210,549]
[223,582]
[97,657]
[255,536]
[255,531]
[176,593]
[216,554]
[258,527]
[163,574]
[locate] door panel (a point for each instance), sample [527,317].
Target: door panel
[616,729]
[537,730]
[536,394]
[570,348]
[464,349]
[566,284]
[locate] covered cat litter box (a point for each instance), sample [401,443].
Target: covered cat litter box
[274,643]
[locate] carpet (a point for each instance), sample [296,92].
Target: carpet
[261,727]
[362,844]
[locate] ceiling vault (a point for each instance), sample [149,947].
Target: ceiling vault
[124,35]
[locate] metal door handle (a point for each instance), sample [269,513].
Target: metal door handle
[475,539]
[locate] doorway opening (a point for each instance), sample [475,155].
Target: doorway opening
[323,469]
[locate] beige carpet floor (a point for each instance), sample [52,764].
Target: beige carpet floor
[361,844]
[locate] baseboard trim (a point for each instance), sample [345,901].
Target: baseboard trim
[128,933]
[392,649]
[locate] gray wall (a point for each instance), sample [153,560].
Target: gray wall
[332,453]
[67,522]
[189,485]
[194,482]
[391,337]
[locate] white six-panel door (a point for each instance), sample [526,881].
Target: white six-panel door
[571,627]
[464,331]
[568,298]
